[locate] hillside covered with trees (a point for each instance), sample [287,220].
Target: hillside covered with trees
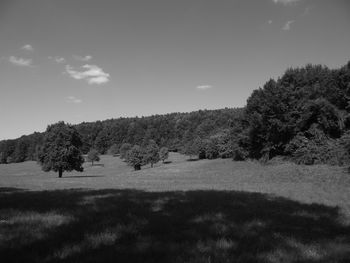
[304,116]
[175,131]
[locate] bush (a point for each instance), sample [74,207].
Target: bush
[163,153]
[151,153]
[318,149]
[93,156]
[124,150]
[135,157]
[239,153]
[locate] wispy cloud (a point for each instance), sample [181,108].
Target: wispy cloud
[80,58]
[20,61]
[91,73]
[285,2]
[27,47]
[287,26]
[307,11]
[72,99]
[204,87]
[58,59]
[269,22]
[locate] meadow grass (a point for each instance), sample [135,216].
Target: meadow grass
[198,211]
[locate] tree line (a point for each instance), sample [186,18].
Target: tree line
[174,131]
[303,116]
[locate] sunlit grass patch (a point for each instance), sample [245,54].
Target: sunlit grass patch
[95,240]
[91,199]
[212,217]
[19,228]
[224,244]
[107,237]
[292,250]
[68,250]
[215,246]
[253,227]
[159,203]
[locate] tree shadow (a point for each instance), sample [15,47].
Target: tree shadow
[167,162]
[82,176]
[195,226]
[98,164]
[10,189]
[192,159]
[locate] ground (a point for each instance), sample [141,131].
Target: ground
[181,211]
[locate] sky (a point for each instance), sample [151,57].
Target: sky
[88,60]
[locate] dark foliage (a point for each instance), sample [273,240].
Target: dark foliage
[151,153]
[163,154]
[136,157]
[287,116]
[60,150]
[171,130]
[124,149]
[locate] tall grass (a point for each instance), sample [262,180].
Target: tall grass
[192,226]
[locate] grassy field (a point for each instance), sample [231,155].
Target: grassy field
[181,211]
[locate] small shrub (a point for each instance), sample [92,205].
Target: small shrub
[124,150]
[93,156]
[135,157]
[164,153]
[318,149]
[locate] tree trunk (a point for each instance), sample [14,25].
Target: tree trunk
[60,172]
[151,165]
[137,167]
[92,163]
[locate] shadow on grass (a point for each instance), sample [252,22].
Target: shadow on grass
[192,159]
[98,164]
[194,226]
[167,162]
[82,176]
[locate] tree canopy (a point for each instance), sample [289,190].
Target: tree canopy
[93,156]
[151,153]
[163,153]
[135,157]
[61,149]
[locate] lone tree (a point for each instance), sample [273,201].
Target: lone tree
[93,156]
[61,149]
[164,153]
[124,150]
[152,153]
[135,157]
[190,149]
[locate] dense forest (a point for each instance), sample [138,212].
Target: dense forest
[303,116]
[173,130]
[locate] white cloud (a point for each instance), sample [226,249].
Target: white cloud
[269,22]
[92,74]
[72,99]
[20,61]
[287,25]
[58,59]
[307,11]
[285,2]
[80,58]
[204,87]
[27,47]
